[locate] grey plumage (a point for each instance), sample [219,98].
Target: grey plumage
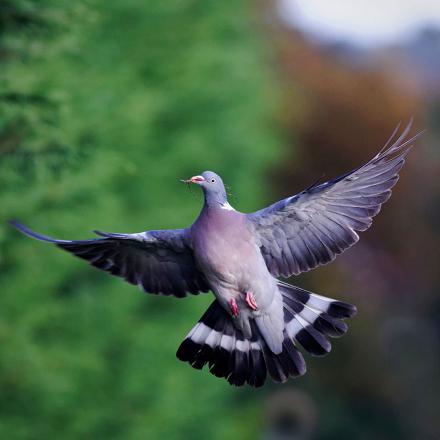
[256,322]
[311,228]
[159,262]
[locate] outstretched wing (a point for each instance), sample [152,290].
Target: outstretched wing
[159,262]
[309,229]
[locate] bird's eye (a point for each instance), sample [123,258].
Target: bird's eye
[213,180]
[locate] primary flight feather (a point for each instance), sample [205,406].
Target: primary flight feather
[256,322]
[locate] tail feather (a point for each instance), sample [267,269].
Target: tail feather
[289,363]
[280,366]
[309,309]
[321,320]
[309,320]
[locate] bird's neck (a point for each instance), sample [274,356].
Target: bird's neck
[215,211]
[216,200]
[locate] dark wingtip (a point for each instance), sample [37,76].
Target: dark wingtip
[109,234]
[100,233]
[26,231]
[13,222]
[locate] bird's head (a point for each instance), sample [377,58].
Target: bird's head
[212,185]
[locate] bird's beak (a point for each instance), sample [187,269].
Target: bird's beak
[194,179]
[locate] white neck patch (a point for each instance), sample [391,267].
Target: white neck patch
[227,206]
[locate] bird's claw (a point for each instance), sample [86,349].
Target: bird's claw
[250,300]
[234,307]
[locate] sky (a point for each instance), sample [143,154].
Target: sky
[361,22]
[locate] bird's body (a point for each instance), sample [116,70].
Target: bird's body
[230,258]
[255,324]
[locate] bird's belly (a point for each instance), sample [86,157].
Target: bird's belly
[229,261]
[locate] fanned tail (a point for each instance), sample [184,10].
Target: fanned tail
[308,320]
[215,341]
[311,318]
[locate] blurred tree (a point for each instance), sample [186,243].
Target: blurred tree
[104,105]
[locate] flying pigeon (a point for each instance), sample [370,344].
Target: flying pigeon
[256,322]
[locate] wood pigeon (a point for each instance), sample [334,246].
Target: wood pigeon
[256,322]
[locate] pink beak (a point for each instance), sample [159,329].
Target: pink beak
[194,179]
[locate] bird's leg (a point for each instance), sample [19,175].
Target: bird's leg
[250,300]
[233,306]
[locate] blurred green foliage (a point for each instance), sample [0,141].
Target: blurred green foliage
[104,105]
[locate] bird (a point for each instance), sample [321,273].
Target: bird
[257,326]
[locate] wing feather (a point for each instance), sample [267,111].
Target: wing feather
[159,262]
[311,228]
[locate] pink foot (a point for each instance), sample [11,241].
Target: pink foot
[250,300]
[234,307]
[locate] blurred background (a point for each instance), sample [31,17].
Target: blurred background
[104,105]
